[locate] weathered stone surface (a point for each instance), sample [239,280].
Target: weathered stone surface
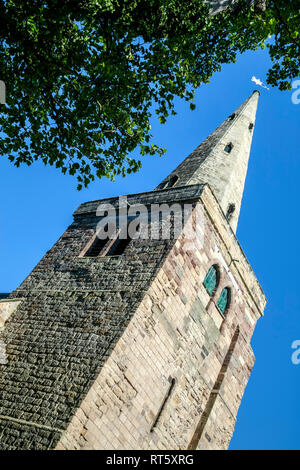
[93,344]
[172,335]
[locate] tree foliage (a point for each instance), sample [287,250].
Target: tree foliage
[83,76]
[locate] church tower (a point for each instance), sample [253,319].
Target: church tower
[142,340]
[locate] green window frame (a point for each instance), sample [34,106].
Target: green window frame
[211,280]
[224,300]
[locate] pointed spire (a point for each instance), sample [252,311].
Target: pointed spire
[222,160]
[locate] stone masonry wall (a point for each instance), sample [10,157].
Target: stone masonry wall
[93,343]
[7,307]
[176,333]
[72,312]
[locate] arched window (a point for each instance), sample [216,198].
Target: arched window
[171,182]
[211,280]
[224,300]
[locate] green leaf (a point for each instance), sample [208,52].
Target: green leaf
[84,79]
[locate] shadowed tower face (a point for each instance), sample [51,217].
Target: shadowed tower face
[222,160]
[138,343]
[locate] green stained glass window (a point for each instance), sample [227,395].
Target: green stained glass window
[211,280]
[224,299]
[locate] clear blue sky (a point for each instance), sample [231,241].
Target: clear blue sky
[36,206]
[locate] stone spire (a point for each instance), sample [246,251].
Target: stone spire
[222,160]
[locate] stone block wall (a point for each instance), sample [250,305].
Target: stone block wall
[94,342]
[176,333]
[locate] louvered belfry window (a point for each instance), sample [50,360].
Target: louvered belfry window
[224,299]
[97,246]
